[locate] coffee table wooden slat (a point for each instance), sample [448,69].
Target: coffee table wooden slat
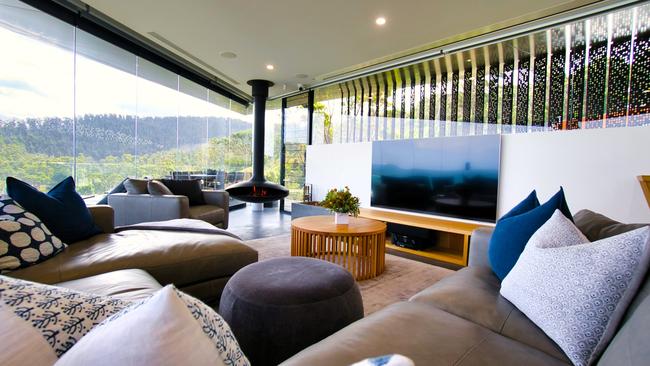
[359,246]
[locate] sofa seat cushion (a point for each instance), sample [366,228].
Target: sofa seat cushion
[427,335]
[126,284]
[472,293]
[207,213]
[182,258]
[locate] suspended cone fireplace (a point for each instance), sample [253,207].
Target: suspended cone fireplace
[258,189]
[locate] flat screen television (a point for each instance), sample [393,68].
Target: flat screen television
[448,176]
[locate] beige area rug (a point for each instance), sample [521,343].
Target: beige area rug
[402,278]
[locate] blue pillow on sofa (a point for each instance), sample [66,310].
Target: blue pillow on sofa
[62,209]
[524,206]
[513,230]
[119,188]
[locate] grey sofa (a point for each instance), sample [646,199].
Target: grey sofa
[463,320]
[136,208]
[135,262]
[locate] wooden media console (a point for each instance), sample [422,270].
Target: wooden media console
[452,245]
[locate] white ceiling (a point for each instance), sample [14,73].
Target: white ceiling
[315,38]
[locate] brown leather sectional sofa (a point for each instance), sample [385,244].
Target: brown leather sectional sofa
[134,263]
[463,320]
[460,320]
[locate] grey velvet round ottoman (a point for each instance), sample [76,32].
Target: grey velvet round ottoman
[280,306]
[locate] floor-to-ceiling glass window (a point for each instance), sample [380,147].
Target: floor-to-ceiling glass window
[327,116]
[219,117]
[272,143]
[36,96]
[74,104]
[296,137]
[239,157]
[192,130]
[157,128]
[229,141]
[106,113]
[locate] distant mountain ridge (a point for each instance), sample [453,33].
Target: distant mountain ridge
[103,135]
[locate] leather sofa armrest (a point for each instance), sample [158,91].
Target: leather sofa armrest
[104,217]
[478,247]
[221,199]
[136,208]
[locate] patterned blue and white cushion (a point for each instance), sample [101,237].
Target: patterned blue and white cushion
[47,320]
[574,290]
[170,328]
[215,328]
[24,238]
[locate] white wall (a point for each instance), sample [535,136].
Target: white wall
[335,166]
[597,169]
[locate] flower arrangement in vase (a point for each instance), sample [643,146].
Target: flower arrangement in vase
[343,203]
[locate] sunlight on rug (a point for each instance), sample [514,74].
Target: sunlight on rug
[402,278]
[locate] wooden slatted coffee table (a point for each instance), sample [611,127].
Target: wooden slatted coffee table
[359,246]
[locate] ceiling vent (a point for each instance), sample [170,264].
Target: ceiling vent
[195,59]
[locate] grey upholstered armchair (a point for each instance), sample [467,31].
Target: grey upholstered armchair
[135,208]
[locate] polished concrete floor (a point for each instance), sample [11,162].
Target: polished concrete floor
[249,224]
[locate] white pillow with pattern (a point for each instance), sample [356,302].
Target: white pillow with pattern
[170,328]
[39,323]
[576,291]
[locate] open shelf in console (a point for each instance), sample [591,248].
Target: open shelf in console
[453,235]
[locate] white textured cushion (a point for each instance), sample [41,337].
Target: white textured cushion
[576,291]
[38,323]
[170,328]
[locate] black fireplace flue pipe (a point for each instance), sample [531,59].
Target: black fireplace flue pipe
[258,189]
[260,92]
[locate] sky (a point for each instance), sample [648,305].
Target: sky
[37,79]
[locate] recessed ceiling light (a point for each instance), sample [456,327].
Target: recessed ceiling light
[380,21]
[469,60]
[228,54]
[270,67]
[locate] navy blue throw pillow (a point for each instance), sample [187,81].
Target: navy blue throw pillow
[117,189]
[188,188]
[524,206]
[512,233]
[62,209]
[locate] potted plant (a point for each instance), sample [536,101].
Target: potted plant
[343,203]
